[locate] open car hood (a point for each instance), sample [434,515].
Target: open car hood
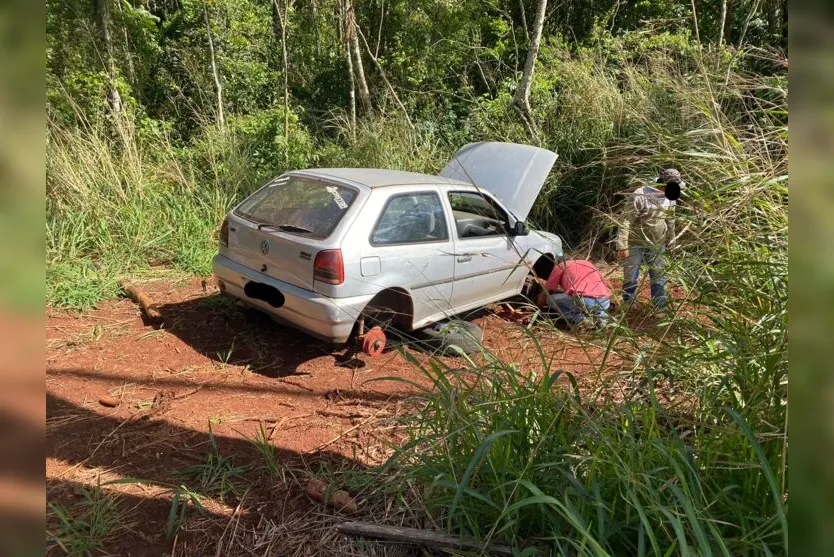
[512,172]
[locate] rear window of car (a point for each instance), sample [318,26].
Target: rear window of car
[299,205]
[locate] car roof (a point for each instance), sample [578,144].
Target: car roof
[378,178]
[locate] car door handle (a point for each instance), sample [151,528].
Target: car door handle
[464,258]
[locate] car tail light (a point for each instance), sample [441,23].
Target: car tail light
[224,233]
[329,267]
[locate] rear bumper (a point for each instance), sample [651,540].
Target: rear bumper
[329,319]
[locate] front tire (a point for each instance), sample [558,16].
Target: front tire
[466,336]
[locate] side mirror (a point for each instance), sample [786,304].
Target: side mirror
[520,229]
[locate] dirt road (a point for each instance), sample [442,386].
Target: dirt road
[131,399]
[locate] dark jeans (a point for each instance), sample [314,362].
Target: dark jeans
[575,309]
[652,257]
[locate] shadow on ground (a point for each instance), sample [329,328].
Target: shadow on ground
[92,447]
[255,340]
[251,337]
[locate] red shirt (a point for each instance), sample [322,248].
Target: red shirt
[578,277]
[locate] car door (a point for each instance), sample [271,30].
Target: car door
[414,246]
[488,263]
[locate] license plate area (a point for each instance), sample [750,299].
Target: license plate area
[264,292]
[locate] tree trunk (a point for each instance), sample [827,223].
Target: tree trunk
[114,97]
[221,119]
[351,75]
[283,20]
[722,23]
[754,9]
[773,12]
[364,93]
[131,70]
[315,13]
[524,19]
[521,101]
[785,23]
[727,26]
[379,30]
[384,77]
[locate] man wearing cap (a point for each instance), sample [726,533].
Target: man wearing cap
[646,230]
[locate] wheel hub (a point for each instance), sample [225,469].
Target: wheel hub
[373,343]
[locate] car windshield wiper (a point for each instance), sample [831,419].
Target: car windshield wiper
[283,227]
[293,228]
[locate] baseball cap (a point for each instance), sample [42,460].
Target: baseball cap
[670,175]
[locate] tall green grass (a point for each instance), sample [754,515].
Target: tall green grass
[121,195]
[678,445]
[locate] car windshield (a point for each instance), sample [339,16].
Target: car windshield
[299,206]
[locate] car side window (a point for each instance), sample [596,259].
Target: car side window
[409,219]
[477,215]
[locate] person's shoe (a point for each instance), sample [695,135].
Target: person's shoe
[661,312]
[586,326]
[628,305]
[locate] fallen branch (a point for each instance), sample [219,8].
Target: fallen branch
[420,537]
[189,393]
[141,298]
[357,414]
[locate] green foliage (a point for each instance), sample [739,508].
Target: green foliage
[268,151]
[266,450]
[507,455]
[217,475]
[182,499]
[88,524]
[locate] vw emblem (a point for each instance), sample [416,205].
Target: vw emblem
[264,247]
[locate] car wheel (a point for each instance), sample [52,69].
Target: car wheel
[456,332]
[532,287]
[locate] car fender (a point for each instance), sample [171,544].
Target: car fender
[546,242]
[539,243]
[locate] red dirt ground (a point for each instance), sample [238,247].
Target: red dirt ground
[208,364]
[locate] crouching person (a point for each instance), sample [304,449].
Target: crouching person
[577,292]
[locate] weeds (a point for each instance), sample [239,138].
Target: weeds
[267,452]
[505,453]
[87,525]
[218,475]
[181,497]
[226,355]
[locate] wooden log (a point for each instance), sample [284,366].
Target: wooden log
[141,298]
[420,537]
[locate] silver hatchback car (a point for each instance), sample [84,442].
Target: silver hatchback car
[324,250]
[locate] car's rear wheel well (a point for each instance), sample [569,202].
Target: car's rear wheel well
[395,302]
